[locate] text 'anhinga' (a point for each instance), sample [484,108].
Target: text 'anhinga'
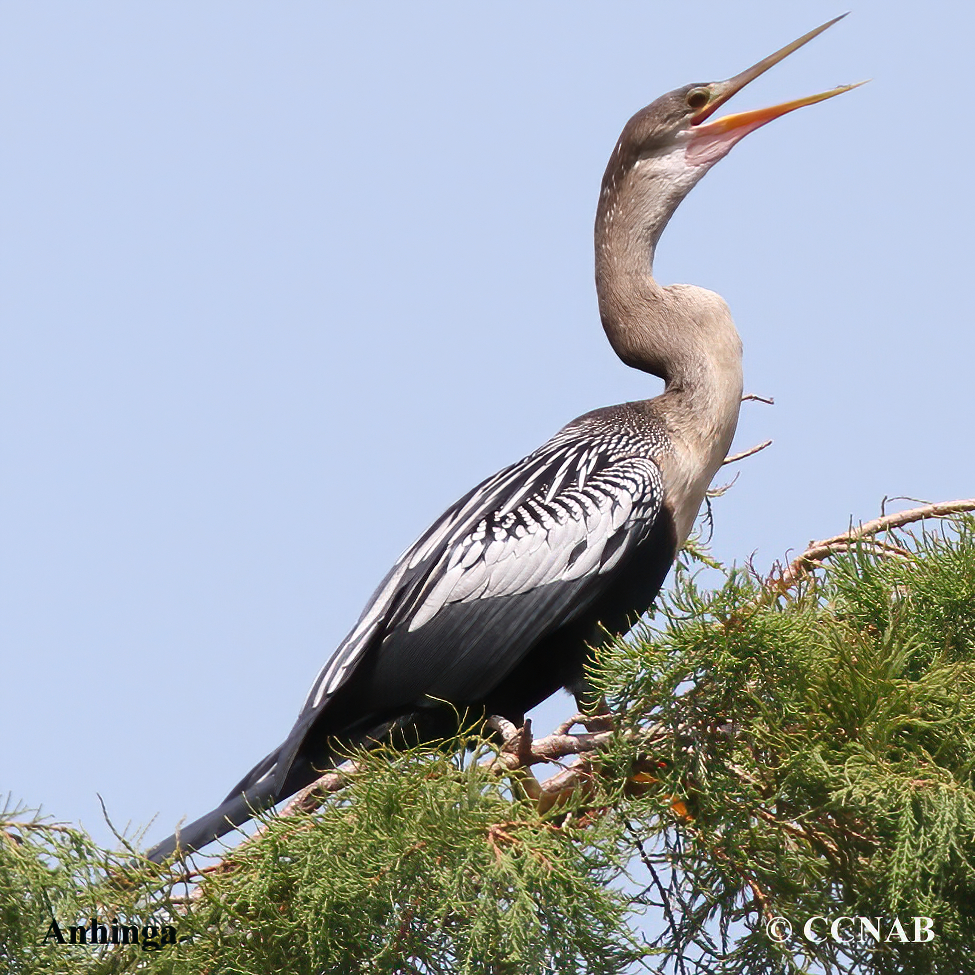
[493,608]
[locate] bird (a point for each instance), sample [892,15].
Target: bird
[496,606]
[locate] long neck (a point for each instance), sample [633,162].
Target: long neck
[683,334]
[636,201]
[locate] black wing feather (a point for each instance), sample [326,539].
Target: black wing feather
[569,512]
[526,552]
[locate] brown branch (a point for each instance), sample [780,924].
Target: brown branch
[806,835]
[310,798]
[758,399]
[817,551]
[519,752]
[716,492]
[746,453]
[761,897]
[37,825]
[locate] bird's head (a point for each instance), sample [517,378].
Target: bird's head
[674,141]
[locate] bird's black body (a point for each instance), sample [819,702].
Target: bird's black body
[491,610]
[494,608]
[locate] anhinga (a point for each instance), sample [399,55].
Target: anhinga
[493,608]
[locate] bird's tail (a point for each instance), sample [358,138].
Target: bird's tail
[278,775]
[257,791]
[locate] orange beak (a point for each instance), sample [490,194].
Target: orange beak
[731,128]
[759,116]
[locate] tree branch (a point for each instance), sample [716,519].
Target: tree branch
[817,551]
[746,453]
[520,751]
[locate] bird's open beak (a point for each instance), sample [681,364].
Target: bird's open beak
[706,136]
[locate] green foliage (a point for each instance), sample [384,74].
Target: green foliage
[812,757]
[428,862]
[802,755]
[51,872]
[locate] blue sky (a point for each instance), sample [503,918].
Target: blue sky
[280,282]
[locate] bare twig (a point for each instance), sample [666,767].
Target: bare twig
[761,897]
[807,835]
[519,752]
[716,492]
[310,798]
[817,551]
[758,399]
[675,929]
[747,453]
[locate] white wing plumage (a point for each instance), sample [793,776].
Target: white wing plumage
[571,509]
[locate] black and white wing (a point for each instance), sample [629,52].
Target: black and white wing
[525,552]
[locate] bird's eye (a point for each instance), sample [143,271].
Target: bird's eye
[698,97]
